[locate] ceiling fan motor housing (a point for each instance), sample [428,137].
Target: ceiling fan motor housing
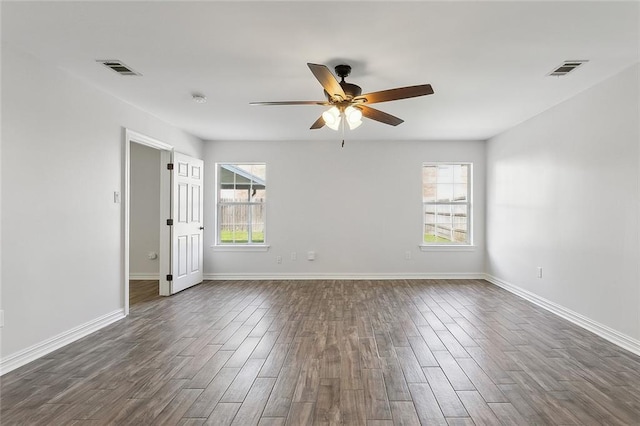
[351,90]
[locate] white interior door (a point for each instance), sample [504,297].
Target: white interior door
[186,212]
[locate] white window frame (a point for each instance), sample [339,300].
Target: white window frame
[457,246]
[235,246]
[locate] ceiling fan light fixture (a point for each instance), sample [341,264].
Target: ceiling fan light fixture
[335,125]
[332,117]
[354,125]
[353,114]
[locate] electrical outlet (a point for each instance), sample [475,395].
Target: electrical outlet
[539,271]
[116,197]
[294,256]
[407,255]
[311,255]
[278,259]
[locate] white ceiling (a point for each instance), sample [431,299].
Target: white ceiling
[487,61]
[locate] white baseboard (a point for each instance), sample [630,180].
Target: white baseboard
[143,276]
[38,350]
[348,276]
[620,339]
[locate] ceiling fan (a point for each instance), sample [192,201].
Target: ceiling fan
[347,101]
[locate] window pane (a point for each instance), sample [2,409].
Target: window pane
[226,176]
[257,223]
[429,213]
[445,173]
[460,192]
[443,214]
[430,174]
[429,192]
[225,221]
[233,224]
[460,224]
[460,173]
[445,192]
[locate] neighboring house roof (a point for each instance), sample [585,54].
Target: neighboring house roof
[243,179]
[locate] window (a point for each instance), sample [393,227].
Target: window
[446,198]
[241,204]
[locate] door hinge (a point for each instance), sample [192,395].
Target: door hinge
[170,222]
[169,166]
[169,277]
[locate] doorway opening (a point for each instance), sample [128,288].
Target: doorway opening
[147,205]
[144,217]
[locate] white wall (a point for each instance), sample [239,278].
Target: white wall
[62,241]
[358,207]
[1,125]
[144,225]
[563,193]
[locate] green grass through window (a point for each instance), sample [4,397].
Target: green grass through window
[434,239]
[240,237]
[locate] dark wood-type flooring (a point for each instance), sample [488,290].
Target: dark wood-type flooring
[141,291]
[402,352]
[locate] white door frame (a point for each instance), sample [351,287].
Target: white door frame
[164,258]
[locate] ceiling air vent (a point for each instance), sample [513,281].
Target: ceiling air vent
[567,67]
[118,67]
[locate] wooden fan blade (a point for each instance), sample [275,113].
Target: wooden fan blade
[328,81]
[380,116]
[318,124]
[399,93]
[291,103]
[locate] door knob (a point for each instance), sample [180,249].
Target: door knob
[201,228]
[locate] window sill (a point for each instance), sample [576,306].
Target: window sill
[241,247]
[447,247]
